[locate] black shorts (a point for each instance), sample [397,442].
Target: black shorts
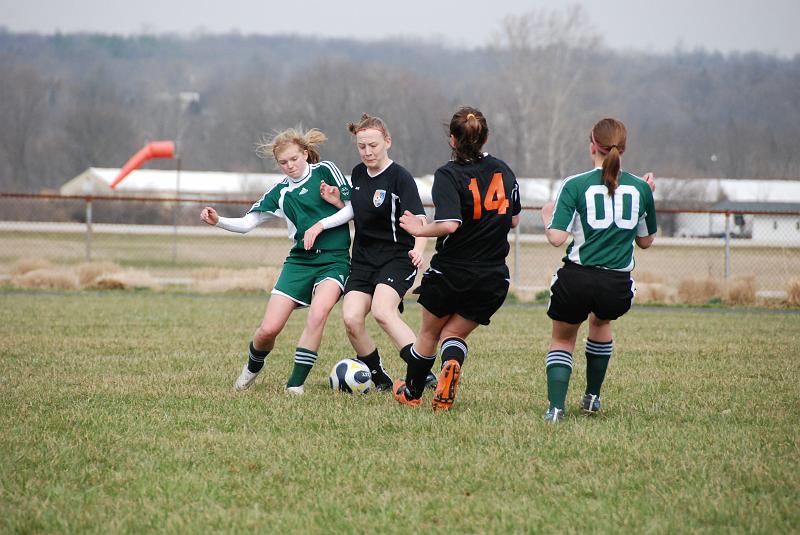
[399,273]
[578,290]
[472,292]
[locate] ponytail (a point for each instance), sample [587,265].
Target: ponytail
[468,127]
[368,122]
[608,138]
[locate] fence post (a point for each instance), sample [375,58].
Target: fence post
[176,208]
[727,244]
[88,229]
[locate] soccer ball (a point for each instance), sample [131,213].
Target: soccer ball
[351,376]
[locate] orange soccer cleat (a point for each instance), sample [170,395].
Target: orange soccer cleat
[445,393]
[402,394]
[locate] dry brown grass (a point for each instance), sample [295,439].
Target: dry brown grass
[229,280]
[47,278]
[699,291]
[740,291]
[793,291]
[655,292]
[26,265]
[648,277]
[125,280]
[91,271]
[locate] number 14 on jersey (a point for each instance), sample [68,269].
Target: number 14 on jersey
[495,198]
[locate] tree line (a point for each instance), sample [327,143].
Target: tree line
[72,101]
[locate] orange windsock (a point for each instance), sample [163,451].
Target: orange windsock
[155,149]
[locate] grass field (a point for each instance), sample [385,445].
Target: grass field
[118,416]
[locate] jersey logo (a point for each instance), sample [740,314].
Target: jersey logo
[379,197]
[303,190]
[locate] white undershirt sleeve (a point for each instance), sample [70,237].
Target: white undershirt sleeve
[339,218]
[245,224]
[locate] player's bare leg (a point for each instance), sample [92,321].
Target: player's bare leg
[355,309]
[277,313]
[326,294]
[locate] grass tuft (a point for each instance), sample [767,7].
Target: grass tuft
[793,291]
[699,291]
[740,291]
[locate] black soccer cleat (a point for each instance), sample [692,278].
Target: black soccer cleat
[431,381]
[382,381]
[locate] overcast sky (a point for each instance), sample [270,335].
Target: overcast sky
[655,26]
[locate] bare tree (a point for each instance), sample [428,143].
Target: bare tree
[23,103]
[544,57]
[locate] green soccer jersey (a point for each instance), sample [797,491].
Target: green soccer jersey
[604,228]
[299,203]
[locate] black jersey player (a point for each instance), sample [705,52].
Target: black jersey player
[385,256]
[477,202]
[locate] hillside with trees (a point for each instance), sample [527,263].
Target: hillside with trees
[68,102]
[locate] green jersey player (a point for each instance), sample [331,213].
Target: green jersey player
[317,267]
[606,211]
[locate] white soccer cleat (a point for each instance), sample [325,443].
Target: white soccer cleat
[245,379]
[554,415]
[295,390]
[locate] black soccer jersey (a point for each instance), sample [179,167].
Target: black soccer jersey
[378,202]
[483,196]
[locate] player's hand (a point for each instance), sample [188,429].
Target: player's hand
[547,212]
[650,179]
[416,258]
[411,223]
[209,215]
[311,235]
[331,194]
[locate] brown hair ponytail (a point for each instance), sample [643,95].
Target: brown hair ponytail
[468,127]
[608,138]
[368,122]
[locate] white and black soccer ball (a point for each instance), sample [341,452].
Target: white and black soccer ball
[351,376]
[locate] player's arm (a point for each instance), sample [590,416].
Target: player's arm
[416,254]
[418,227]
[647,228]
[555,237]
[241,225]
[341,217]
[645,241]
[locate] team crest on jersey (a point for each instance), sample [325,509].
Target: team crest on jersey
[378,198]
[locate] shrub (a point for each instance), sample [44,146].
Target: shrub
[91,271]
[25,265]
[793,291]
[47,278]
[740,291]
[654,293]
[229,280]
[699,291]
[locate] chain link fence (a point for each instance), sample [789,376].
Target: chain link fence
[166,238]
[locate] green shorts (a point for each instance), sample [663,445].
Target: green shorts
[304,270]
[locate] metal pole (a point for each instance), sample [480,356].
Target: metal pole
[727,244]
[175,209]
[88,229]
